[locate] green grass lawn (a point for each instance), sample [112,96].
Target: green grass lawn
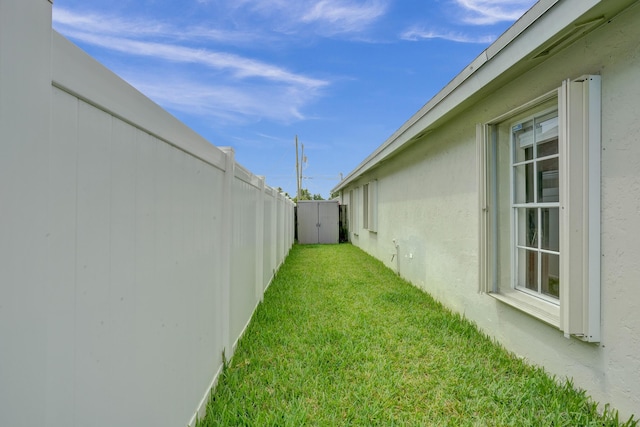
[341,340]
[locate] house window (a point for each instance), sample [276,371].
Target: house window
[365,206]
[352,208]
[540,208]
[370,206]
[355,210]
[535,205]
[373,206]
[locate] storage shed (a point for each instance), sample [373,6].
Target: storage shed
[318,221]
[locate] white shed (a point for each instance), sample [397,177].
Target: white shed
[318,221]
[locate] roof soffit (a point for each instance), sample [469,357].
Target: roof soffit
[548,27]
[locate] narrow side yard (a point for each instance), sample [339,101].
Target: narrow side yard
[341,340]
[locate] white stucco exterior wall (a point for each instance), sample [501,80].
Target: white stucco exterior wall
[428,205]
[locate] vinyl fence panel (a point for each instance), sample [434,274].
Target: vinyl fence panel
[130,258]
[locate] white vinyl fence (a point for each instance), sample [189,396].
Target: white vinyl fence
[132,251]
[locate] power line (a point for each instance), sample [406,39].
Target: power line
[325,177]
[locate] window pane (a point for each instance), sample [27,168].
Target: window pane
[546,127]
[550,229]
[523,141]
[535,155]
[528,269]
[550,273]
[548,188]
[523,185]
[548,148]
[527,227]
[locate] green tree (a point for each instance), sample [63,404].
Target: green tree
[305,194]
[280,190]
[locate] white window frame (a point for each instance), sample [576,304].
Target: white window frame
[365,206]
[355,211]
[577,310]
[352,208]
[516,206]
[370,206]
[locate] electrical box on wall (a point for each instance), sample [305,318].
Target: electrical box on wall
[318,221]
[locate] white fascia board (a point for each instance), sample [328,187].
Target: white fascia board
[542,22]
[77,73]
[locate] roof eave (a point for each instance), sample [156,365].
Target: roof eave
[514,45]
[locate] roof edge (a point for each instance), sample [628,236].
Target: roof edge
[407,133]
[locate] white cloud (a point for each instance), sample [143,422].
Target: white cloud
[344,16]
[487,12]
[65,21]
[228,86]
[106,25]
[473,12]
[261,20]
[419,34]
[226,103]
[326,17]
[239,66]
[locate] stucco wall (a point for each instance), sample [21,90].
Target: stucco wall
[428,203]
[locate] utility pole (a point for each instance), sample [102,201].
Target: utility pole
[300,161]
[303,160]
[297,171]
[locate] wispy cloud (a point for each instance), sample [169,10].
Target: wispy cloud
[99,24]
[324,17]
[226,103]
[415,34]
[469,12]
[488,12]
[93,23]
[345,16]
[227,85]
[239,66]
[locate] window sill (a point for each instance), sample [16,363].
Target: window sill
[536,307]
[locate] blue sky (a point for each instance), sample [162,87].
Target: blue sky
[343,75]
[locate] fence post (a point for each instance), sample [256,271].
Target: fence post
[292,225]
[227,242]
[260,239]
[274,233]
[282,227]
[25,111]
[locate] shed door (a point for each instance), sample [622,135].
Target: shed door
[307,223]
[328,217]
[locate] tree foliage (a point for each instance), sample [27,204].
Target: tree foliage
[305,194]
